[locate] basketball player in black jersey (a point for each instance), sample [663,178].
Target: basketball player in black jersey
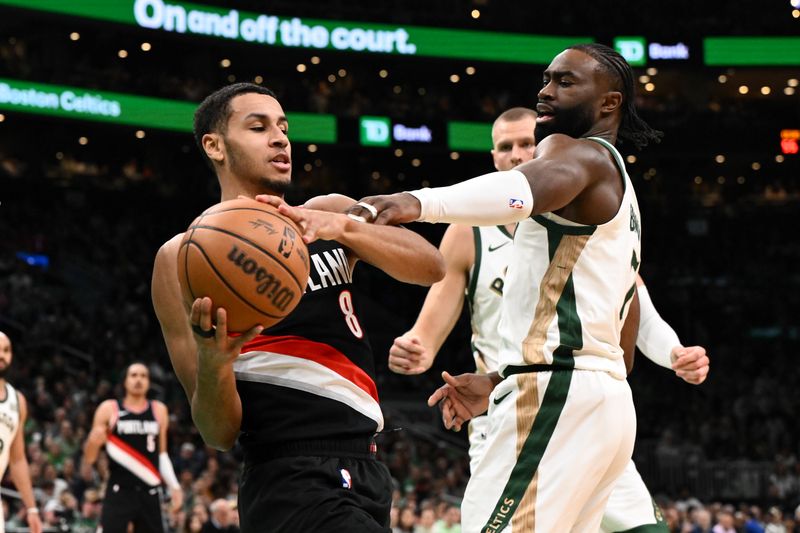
[134,432]
[301,395]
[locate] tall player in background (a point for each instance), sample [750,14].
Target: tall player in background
[301,395]
[476,259]
[13,412]
[134,432]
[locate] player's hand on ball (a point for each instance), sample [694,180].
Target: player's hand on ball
[274,201]
[215,347]
[389,209]
[317,224]
[691,363]
[409,356]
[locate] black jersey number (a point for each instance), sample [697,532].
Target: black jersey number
[346,305]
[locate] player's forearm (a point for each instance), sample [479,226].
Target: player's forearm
[438,316]
[20,474]
[656,338]
[216,406]
[92,448]
[497,198]
[401,253]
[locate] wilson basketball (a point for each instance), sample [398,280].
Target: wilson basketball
[248,258]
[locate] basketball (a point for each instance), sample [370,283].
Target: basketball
[248,258]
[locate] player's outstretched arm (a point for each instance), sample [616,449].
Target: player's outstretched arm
[562,169]
[20,471]
[401,253]
[659,343]
[173,315]
[414,351]
[216,405]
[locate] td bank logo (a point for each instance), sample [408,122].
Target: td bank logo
[375,131]
[633,49]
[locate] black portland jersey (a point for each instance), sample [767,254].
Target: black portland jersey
[312,375]
[132,446]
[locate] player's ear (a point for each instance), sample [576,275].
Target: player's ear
[214,146]
[612,100]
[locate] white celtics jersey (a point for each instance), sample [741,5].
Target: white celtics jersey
[9,424]
[569,286]
[493,246]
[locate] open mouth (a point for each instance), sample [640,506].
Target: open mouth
[282,162]
[544,113]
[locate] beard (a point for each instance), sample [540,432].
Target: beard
[573,121]
[4,371]
[241,166]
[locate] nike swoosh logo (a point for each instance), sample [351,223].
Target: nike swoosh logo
[493,248]
[499,399]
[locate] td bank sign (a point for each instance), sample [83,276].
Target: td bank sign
[637,51]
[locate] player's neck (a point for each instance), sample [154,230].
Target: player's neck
[3,390]
[250,191]
[134,402]
[604,130]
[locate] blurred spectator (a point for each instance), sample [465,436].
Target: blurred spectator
[775,521]
[427,521]
[89,517]
[220,518]
[701,520]
[450,522]
[724,523]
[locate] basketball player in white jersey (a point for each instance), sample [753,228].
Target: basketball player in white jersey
[561,417]
[476,259]
[134,432]
[13,412]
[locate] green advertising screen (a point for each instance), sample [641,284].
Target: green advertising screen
[141,111]
[270,30]
[752,51]
[469,136]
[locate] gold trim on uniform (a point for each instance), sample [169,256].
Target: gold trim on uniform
[527,407]
[550,289]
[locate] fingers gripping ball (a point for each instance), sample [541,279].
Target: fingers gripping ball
[246,257]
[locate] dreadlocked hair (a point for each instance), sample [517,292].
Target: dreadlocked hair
[632,127]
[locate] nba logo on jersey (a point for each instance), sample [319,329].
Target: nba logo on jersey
[347,481]
[515,203]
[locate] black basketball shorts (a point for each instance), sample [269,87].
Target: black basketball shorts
[140,505]
[320,494]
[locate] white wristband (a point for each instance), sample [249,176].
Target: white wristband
[656,338]
[167,472]
[488,200]
[32,510]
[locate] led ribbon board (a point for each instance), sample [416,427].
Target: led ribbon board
[141,111]
[752,51]
[269,30]
[469,136]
